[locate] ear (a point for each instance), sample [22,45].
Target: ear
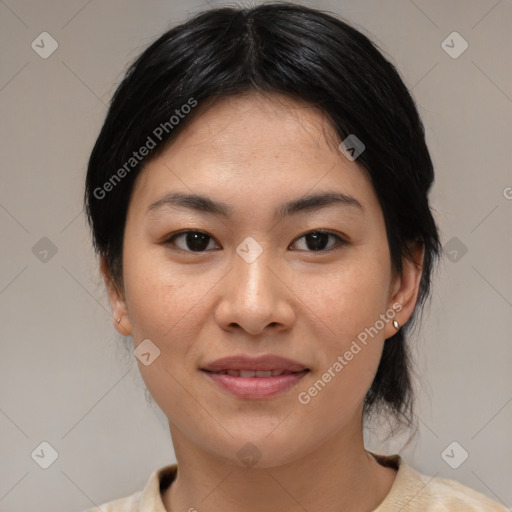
[405,288]
[117,301]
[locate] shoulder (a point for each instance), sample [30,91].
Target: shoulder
[128,504]
[413,491]
[149,498]
[459,496]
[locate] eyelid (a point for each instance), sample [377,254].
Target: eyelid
[341,240]
[169,240]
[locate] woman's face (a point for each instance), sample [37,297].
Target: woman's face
[258,282]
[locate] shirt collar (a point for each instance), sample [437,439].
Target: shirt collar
[151,497]
[161,479]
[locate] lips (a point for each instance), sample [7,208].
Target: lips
[262,366]
[255,388]
[255,378]
[252,373]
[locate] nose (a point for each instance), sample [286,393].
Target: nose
[255,295]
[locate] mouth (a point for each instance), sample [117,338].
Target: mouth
[249,377]
[255,385]
[255,373]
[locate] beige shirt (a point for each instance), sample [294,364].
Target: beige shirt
[411,491]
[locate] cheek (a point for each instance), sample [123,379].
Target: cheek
[348,299]
[350,303]
[158,293]
[163,307]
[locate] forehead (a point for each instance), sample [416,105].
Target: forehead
[268,146]
[240,126]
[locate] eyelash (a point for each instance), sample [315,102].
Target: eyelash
[340,241]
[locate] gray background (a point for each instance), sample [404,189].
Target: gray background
[65,375]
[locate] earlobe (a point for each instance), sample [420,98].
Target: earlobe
[406,290]
[117,301]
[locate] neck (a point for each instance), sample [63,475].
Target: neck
[339,475]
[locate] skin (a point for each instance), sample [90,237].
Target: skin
[254,153]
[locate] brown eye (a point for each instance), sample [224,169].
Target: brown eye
[193,241]
[316,241]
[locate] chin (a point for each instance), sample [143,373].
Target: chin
[262,452]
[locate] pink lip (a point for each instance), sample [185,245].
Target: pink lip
[256,387]
[265,362]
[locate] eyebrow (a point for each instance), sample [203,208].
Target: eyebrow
[203,204]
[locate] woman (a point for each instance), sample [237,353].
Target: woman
[258,196]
